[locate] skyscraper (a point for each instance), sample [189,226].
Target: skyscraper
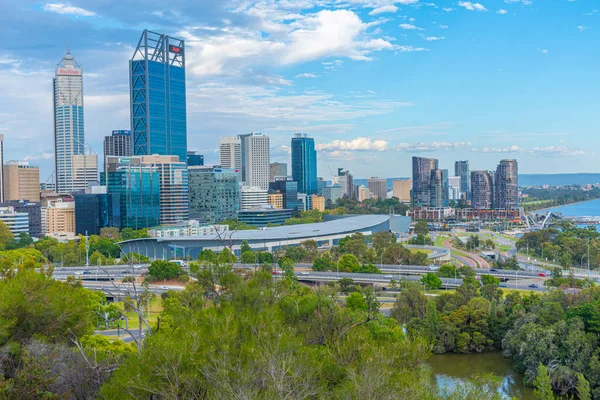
[277,169]
[507,185]
[158,105]
[438,189]
[230,152]
[85,171]
[194,160]
[119,144]
[256,154]
[482,190]
[345,179]
[214,193]
[68,120]
[21,181]
[289,189]
[304,163]
[1,168]
[421,169]
[461,169]
[378,186]
[401,189]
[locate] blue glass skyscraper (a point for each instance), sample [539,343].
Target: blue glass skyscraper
[304,163]
[158,105]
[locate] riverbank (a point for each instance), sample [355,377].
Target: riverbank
[568,204]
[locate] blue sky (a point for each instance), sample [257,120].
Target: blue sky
[373,81]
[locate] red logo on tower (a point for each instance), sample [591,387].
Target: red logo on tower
[175,49]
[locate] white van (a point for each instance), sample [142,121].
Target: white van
[181,263]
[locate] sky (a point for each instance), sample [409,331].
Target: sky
[375,82]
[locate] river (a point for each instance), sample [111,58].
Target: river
[450,369]
[585,208]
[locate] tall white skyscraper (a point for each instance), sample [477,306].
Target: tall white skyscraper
[230,152]
[256,156]
[1,168]
[84,171]
[68,120]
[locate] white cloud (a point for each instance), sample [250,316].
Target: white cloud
[306,75]
[543,51]
[434,38]
[471,6]
[583,28]
[443,26]
[358,144]
[562,151]
[67,9]
[524,2]
[410,49]
[390,8]
[501,11]
[448,9]
[431,146]
[410,27]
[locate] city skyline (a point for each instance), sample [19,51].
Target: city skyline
[392,89]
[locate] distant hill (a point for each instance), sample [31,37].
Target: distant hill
[557,179]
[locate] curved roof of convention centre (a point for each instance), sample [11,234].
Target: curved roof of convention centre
[333,227]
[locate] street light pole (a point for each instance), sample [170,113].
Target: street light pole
[588,257]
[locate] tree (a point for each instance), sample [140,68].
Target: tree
[130,234]
[431,281]
[164,270]
[356,301]
[543,387]
[295,253]
[25,240]
[487,279]
[583,388]
[248,257]
[421,228]
[322,263]
[346,285]
[6,235]
[448,271]
[411,303]
[110,233]
[382,240]
[226,256]
[348,263]
[244,247]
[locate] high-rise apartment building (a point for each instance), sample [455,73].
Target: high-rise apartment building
[304,163]
[157,90]
[21,181]
[119,144]
[277,169]
[461,169]
[438,189]
[138,187]
[363,193]
[421,169]
[256,154]
[214,193]
[194,160]
[252,197]
[346,181]
[174,187]
[33,210]
[1,168]
[60,217]
[85,171]
[482,190]
[507,185]
[378,187]
[318,203]
[230,152]
[68,121]
[454,188]
[275,200]
[401,190]
[17,222]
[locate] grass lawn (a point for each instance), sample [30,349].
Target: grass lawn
[414,251]
[440,239]
[155,309]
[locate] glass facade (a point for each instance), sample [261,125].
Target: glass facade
[96,211]
[158,104]
[214,194]
[289,189]
[68,120]
[261,218]
[304,163]
[174,191]
[194,160]
[139,190]
[421,190]
[461,169]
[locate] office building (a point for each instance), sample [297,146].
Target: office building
[94,211]
[173,187]
[230,153]
[378,187]
[438,189]
[304,202]
[138,187]
[85,172]
[304,163]
[157,95]
[21,181]
[1,168]
[34,212]
[454,188]
[194,160]
[461,169]
[401,190]
[507,185]
[482,190]
[263,217]
[253,197]
[60,217]
[363,193]
[332,194]
[421,179]
[256,154]
[277,169]
[321,183]
[188,228]
[214,193]
[289,189]
[318,203]
[69,138]
[275,200]
[346,182]
[17,222]
[119,144]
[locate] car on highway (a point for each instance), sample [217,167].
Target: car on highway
[503,285]
[493,270]
[389,276]
[86,272]
[165,287]
[304,273]
[543,275]
[533,285]
[433,267]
